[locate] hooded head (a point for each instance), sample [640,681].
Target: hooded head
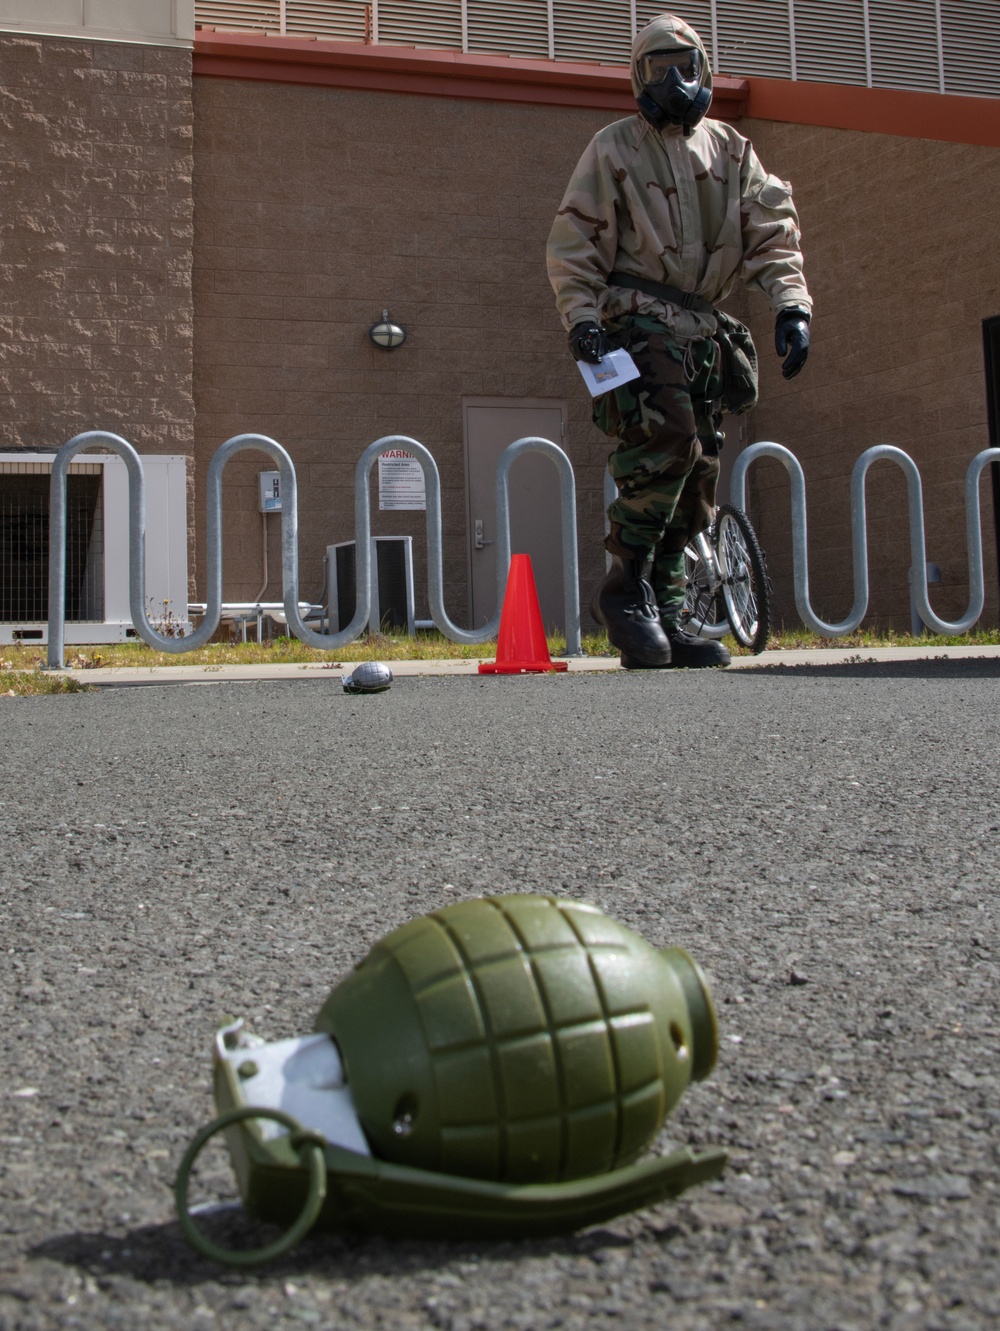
[669,93]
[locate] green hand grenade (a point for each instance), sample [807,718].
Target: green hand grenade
[519,1039]
[506,1062]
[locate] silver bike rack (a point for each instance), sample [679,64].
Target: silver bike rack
[859,534]
[290,542]
[567,511]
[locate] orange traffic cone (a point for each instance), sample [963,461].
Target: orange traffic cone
[522,647]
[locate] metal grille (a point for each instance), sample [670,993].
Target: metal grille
[336,20]
[971,42]
[24,542]
[830,42]
[904,44]
[929,45]
[755,38]
[599,30]
[344,575]
[509,27]
[252,15]
[433,23]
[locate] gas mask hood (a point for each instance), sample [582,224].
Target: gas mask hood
[671,78]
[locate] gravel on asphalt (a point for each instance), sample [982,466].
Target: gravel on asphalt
[823,841]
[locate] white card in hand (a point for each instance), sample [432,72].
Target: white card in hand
[613,370]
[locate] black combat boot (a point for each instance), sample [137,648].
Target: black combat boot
[688,652]
[624,603]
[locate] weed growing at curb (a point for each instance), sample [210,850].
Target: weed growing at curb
[30,683]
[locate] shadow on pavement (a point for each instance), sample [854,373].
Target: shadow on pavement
[160,1252]
[862,667]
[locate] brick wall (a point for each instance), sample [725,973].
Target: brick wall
[95,243]
[315,210]
[903,262]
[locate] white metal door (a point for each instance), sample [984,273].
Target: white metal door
[491,424]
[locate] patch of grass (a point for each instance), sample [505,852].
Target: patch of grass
[428,645]
[803,639]
[30,683]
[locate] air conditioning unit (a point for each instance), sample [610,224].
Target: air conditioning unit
[97,555]
[392,584]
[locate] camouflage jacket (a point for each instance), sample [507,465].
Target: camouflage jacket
[698,213]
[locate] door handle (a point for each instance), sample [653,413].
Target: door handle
[480,542]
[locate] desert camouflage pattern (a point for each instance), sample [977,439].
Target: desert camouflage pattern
[697,212]
[666,465]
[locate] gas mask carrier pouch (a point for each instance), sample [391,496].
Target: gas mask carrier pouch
[739,364]
[738,353]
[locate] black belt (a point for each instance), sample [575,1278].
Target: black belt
[687,300]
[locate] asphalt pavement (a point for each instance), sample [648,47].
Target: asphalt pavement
[822,838]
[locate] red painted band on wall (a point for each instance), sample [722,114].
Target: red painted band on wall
[477,76]
[914,115]
[432,73]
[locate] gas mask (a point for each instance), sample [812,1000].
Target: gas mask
[672,93]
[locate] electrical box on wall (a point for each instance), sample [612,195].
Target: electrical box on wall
[270,491]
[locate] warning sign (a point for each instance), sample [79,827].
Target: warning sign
[400,481]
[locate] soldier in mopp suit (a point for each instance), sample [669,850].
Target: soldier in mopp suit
[664,213]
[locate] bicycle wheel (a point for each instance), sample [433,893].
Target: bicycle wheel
[746,588]
[703,609]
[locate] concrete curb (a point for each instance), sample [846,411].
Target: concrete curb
[125,676]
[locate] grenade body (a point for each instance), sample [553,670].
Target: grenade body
[368,677]
[519,1039]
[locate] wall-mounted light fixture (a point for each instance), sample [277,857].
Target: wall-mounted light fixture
[386,334]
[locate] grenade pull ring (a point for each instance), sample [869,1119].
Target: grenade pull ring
[305,1144]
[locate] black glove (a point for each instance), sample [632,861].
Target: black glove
[791,340]
[588,341]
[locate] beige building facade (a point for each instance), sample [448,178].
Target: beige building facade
[96,241]
[902,258]
[319,207]
[197,250]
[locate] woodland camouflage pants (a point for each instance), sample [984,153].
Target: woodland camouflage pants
[666,465]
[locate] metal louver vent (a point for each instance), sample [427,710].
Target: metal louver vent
[754,38]
[336,20]
[255,15]
[971,33]
[593,30]
[928,45]
[830,44]
[24,541]
[509,27]
[904,44]
[432,23]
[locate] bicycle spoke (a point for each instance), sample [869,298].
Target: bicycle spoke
[701,598]
[744,588]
